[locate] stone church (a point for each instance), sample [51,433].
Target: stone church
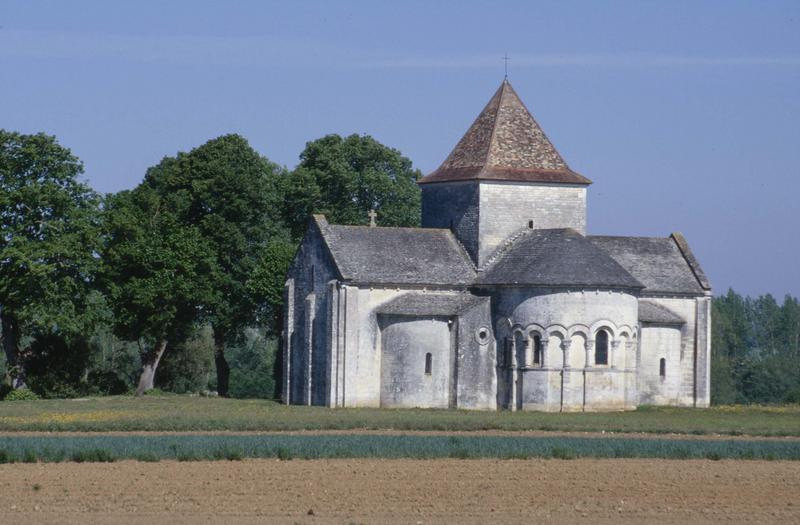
[500,300]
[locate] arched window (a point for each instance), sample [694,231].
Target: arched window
[428,363]
[601,348]
[662,368]
[537,350]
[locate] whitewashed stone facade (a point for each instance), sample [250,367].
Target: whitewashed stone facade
[500,300]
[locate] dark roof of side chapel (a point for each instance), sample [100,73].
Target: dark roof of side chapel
[660,263]
[557,257]
[417,303]
[505,143]
[650,312]
[382,255]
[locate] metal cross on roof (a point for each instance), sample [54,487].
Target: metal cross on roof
[505,60]
[372,216]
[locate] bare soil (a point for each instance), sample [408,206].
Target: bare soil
[402,491]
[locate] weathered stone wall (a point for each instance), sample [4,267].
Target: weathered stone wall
[454,206]
[405,341]
[306,344]
[687,352]
[660,342]
[364,361]
[568,379]
[476,379]
[506,207]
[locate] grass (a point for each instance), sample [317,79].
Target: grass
[193,447]
[185,413]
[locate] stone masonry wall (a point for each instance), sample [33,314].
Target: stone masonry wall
[508,207]
[453,206]
[678,346]
[306,343]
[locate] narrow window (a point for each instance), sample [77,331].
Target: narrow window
[428,363]
[662,367]
[530,224]
[537,350]
[601,348]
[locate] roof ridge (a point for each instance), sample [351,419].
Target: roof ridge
[627,237]
[502,92]
[367,227]
[683,246]
[511,239]
[464,251]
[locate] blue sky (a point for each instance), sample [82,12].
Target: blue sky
[686,115]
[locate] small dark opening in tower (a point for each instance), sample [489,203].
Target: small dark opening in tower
[537,350]
[428,363]
[530,224]
[662,367]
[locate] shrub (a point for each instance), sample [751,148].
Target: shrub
[21,394]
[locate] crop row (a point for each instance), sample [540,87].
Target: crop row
[211,447]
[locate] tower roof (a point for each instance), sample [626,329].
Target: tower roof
[505,143]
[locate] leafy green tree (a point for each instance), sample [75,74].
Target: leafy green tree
[152,268]
[48,241]
[345,178]
[233,199]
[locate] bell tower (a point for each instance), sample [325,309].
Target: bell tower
[503,176]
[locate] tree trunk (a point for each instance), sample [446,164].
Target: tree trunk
[150,362]
[223,369]
[15,367]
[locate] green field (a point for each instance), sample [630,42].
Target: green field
[184,413]
[191,447]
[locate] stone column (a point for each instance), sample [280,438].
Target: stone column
[311,301]
[612,355]
[288,332]
[589,352]
[528,351]
[630,355]
[542,360]
[513,372]
[565,344]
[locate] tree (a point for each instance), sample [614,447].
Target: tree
[232,195]
[754,350]
[151,267]
[48,240]
[345,178]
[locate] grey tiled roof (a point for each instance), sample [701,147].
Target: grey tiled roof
[397,255]
[559,257]
[657,262]
[415,303]
[505,143]
[650,312]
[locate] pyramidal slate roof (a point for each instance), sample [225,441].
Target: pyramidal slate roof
[662,264]
[381,255]
[505,143]
[557,257]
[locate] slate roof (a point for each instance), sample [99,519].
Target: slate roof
[415,303]
[658,262]
[505,143]
[557,257]
[650,312]
[397,255]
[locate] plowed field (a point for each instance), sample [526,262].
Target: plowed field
[402,491]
